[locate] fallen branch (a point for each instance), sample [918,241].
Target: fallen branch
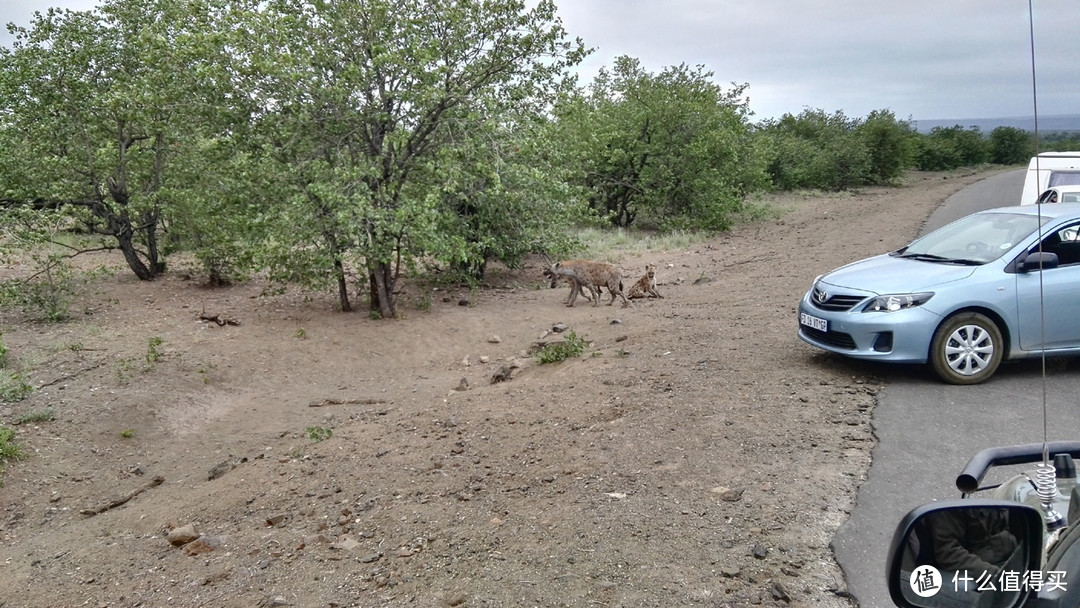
[70,376]
[156,481]
[218,320]
[323,402]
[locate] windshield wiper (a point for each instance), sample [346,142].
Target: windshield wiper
[929,257]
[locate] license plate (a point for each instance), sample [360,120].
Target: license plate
[815,322]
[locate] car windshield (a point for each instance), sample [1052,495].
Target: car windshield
[976,239]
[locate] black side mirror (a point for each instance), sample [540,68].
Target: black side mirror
[965,553]
[1039,260]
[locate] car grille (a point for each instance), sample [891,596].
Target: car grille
[838,303]
[837,339]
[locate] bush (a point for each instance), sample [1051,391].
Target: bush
[44,297]
[1011,146]
[889,144]
[13,388]
[817,151]
[951,148]
[9,450]
[319,433]
[571,346]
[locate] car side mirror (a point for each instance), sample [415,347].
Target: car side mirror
[1039,260]
[965,553]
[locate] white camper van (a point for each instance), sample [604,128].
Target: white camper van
[1050,169]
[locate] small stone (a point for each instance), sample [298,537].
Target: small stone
[463,385]
[760,551]
[456,599]
[495,339]
[275,519]
[183,535]
[729,494]
[369,558]
[779,593]
[203,544]
[345,543]
[505,373]
[559,328]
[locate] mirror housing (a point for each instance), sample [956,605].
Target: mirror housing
[1039,260]
[965,553]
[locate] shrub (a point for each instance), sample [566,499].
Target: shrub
[9,450]
[153,355]
[45,415]
[13,387]
[318,433]
[572,346]
[1011,146]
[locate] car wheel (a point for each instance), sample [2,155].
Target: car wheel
[967,349]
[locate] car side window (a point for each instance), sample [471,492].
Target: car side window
[1065,243]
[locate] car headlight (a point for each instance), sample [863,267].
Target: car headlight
[895,302]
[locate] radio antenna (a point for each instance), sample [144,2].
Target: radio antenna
[1045,476]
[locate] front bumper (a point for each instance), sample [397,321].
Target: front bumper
[901,337]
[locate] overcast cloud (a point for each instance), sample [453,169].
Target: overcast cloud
[921,59]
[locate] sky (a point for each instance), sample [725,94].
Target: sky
[919,59]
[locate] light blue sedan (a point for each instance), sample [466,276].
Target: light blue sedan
[998,284]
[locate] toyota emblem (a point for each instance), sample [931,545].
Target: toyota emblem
[821,295]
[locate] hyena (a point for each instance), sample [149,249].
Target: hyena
[646,285]
[571,281]
[592,276]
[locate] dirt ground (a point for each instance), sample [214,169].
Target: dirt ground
[697,454]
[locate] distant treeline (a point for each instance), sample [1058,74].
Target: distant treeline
[1068,123]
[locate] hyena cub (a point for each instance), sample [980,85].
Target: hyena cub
[646,285]
[592,276]
[571,281]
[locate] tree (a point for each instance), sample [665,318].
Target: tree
[361,98]
[1011,146]
[890,144]
[505,194]
[952,147]
[104,103]
[673,146]
[817,150]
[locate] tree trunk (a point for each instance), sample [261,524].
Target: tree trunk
[343,287]
[382,290]
[120,226]
[131,256]
[150,225]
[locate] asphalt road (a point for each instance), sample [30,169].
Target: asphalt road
[928,430]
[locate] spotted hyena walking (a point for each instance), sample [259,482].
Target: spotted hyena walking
[571,281]
[646,285]
[592,276]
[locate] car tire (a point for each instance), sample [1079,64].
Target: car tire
[967,348]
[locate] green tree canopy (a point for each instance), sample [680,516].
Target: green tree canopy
[818,150]
[361,102]
[673,146]
[100,106]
